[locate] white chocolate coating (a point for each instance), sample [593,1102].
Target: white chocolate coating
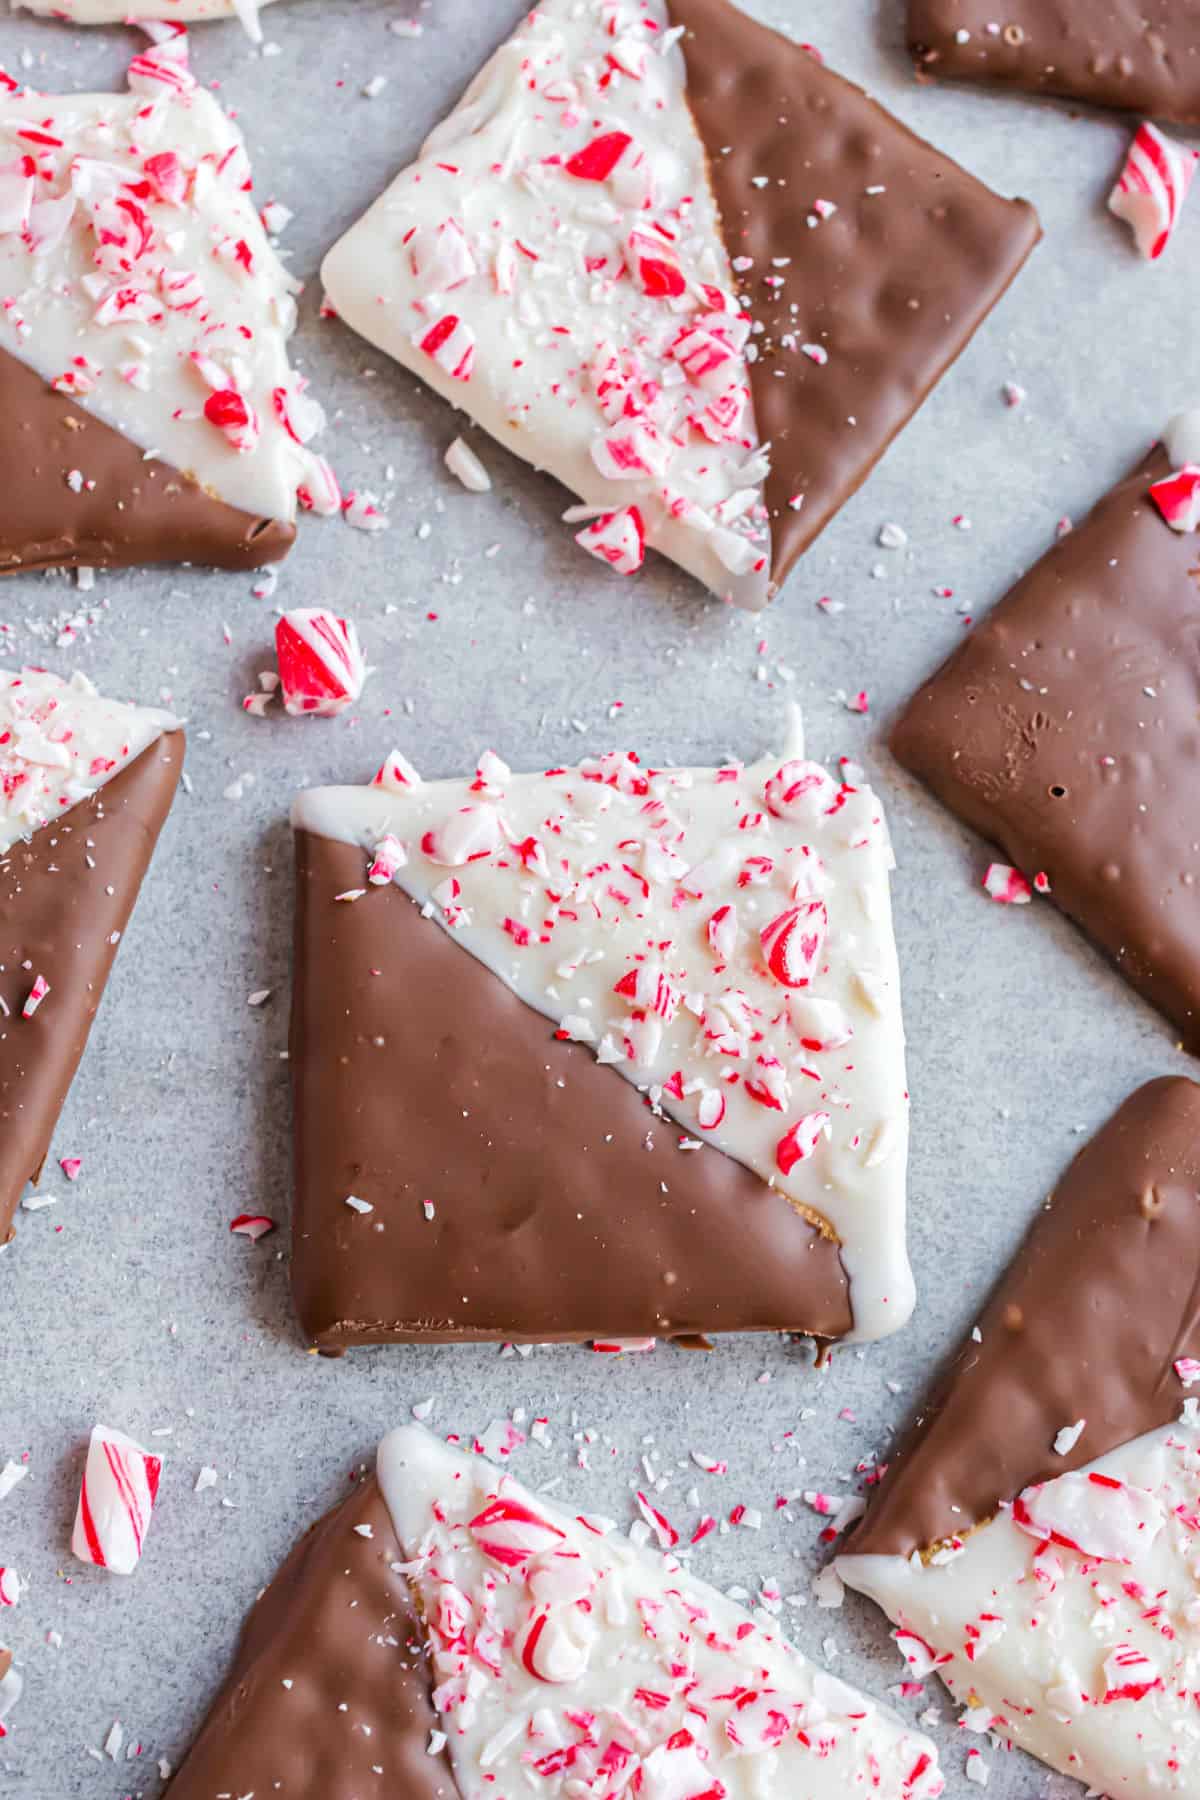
[490,228]
[1182,438]
[628,906]
[117,12]
[59,742]
[1089,1661]
[142,282]
[604,1667]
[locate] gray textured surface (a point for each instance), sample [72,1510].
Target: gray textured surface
[129,1300]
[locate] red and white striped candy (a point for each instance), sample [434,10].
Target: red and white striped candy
[120,1485]
[1007,886]
[706,357]
[468,835]
[723,932]
[1092,1513]
[252,1226]
[512,1533]
[800,790]
[562,1578]
[1128,1675]
[658,1522]
[35,996]
[711,1109]
[549,1653]
[677,1771]
[233,414]
[801,1140]
[321,667]
[769,1083]
[652,262]
[819,1024]
[631,449]
[441,256]
[396,774]
[922,1658]
[597,160]
[1152,188]
[389,858]
[450,342]
[617,538]
[1177,498]
[321,493]
[646,986]
[793,942]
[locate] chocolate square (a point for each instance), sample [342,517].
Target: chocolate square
[1066,728]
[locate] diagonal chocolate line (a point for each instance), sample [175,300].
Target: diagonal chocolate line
[892,287]
[1140,55]
[66,895]
[1087,1324]
[132,509]
[562,1208]
[330,1682]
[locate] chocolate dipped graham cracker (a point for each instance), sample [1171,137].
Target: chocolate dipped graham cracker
[674,261]
[603,1053]
[149,411]
[85,784]
[1034,1538]
[1064,729]
[1140,55]
[561,1656]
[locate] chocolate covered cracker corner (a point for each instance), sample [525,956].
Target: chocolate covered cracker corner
[1034,1539]
[1064,727]
[85,784]
[647,1027]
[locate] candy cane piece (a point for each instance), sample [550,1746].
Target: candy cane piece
[617,538]
[1177,498]
[321,667]
[116,1499]
[1152,188]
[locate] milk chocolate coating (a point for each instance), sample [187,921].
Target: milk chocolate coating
[1064,729]
[1087,1323]
[338,1625]
[893,286]
[58,919]
[563,1208]
[140,510]
[1142,55]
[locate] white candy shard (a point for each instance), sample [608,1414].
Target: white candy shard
[553,264]
[463,463]
[116,1499]
[651,914]
[60,740]
[575,1660]
[1069,1622]
[144,233]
